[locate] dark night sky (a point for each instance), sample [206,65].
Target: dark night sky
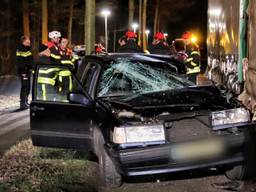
[193,18]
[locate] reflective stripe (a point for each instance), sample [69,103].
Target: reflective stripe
[46,71]
[195,53]
[189,59]
[24,54]
[67,62]
[194,70]
[44,91]
[55,56]
[70,83]
[194,64]
[45,80]
[65,73]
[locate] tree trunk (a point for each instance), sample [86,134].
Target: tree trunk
[54,14]
[44,21]
[89,25]
[140,22]
[144,23]
[70,20]
[131,13]
[25,12]
[156,19]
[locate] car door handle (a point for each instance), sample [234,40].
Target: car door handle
[35,108]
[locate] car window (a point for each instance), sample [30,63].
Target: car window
[88,75]
[54,84]
[123,76]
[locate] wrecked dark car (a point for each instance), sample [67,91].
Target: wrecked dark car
[140,116]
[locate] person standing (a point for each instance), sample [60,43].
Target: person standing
[159,45]
[24,61]
[193,62]
[53,46]
[130,45]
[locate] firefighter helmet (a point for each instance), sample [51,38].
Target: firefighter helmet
[130,34]
[159,36]
[54,34]
[187,35]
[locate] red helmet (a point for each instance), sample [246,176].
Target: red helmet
[186,35]
[130,34]
[159,36]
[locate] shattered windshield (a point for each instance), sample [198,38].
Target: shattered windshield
[125,77]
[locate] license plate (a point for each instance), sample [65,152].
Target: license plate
[197,150]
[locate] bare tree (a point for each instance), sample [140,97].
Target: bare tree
[70,20]
[156,18]
[25,13]
[144,25]
[89,25]
[44,21]
[131,13]
[140,22]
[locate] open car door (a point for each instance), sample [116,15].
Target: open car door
[61,112]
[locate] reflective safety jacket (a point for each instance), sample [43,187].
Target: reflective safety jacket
[24,59]
[55,55]
[48,76]
[67,59]
[193,61]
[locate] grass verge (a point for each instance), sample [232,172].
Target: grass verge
[25,168]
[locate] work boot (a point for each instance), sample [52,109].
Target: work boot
[23,106]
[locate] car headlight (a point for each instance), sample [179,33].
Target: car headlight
[138,134]
[231,116]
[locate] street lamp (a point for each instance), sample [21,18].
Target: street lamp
[135,26]
[106,13]
[165,35]
[147,33]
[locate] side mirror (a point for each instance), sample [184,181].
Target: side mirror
[79,98]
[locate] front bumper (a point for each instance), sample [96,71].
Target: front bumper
[159,160]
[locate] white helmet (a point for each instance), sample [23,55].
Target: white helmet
[54,34]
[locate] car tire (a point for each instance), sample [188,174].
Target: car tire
[109,177]
[237,173]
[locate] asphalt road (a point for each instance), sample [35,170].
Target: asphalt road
[14,126]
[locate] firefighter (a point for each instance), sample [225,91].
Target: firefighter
[53,46]
[122,41]
[46,88]
[159,45]
[99,49]
[65,76]
[194,59]
[130,46]
[180,50]
[24,63]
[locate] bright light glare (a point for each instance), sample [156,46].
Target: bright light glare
[165,34]
[105,12]
[215,12]
[194,39]
[147,31]
[135,25]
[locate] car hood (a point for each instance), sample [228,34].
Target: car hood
[179,99]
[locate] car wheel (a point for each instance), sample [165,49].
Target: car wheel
[109,177]
[236,173]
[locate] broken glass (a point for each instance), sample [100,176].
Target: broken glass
[123,77]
